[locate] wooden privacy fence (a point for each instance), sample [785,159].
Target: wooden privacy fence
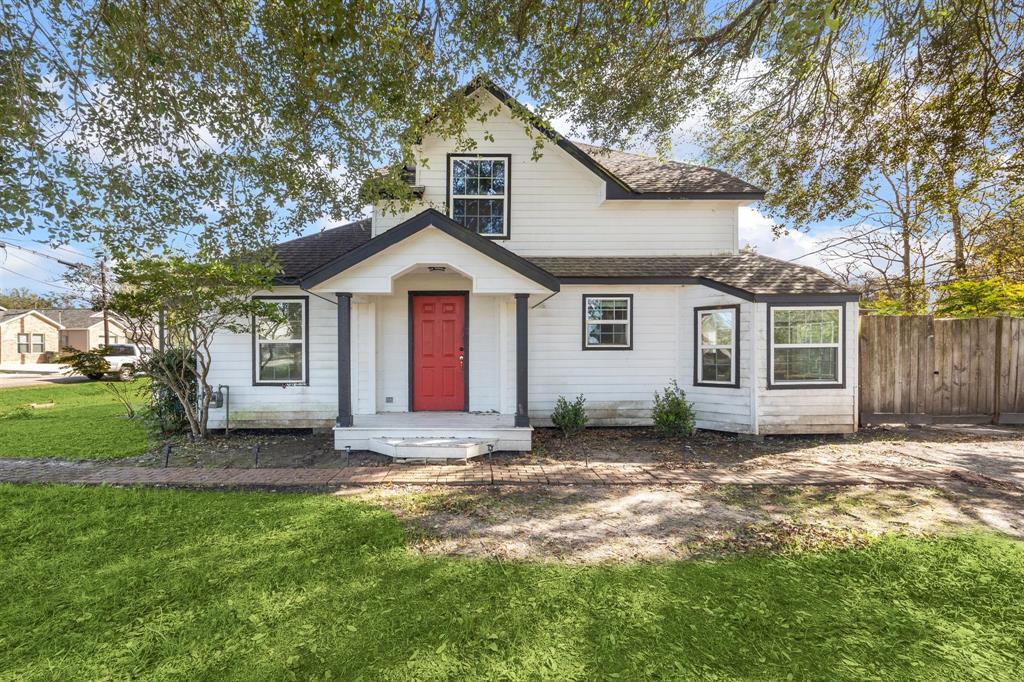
[923,370]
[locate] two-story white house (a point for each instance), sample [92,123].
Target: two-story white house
[515,280]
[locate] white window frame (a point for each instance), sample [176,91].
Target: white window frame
[27,343]
[733,348]
[628,322]
[41,344]
[258,343]
[839,381]
[452,196]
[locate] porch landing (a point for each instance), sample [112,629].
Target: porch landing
[433,435]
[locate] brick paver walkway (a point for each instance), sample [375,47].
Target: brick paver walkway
[476,473]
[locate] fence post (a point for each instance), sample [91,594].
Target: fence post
[998,390]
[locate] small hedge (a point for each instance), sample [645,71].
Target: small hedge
[672,414]
[570,417]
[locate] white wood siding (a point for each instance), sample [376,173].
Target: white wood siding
[315,405]
[807,410]
[558,206]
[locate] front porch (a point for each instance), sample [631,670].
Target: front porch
[433,435]
[432,341]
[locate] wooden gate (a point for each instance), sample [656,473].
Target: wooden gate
[922,370]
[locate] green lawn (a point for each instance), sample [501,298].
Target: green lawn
[127,584]
[86,422]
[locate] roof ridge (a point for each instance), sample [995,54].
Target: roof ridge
[326,230]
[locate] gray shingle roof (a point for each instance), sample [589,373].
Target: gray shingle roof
[753,273]
[305,254]
[756,274]
[647,174]
[71,318]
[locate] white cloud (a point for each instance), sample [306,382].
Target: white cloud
[756,230]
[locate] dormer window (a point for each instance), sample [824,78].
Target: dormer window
[478,193]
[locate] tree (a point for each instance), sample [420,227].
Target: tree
[20,297]
[195,299]
[984,298]
[222,125]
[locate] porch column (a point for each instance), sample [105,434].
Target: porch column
[344,360]
[522,370]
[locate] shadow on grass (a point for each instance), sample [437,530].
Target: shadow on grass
[170,584]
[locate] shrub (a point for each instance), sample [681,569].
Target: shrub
[165,411]
[88,363]
[572,417]
[672,414]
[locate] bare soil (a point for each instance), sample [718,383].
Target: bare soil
[590,524]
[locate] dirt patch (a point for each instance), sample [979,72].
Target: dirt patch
[593,524]
[296,448]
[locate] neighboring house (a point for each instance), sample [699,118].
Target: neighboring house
[27,337]
[83,329]
[37,336]
[514,281]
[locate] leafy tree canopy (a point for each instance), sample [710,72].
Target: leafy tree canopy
[985,298]
[20,297]
[219,125]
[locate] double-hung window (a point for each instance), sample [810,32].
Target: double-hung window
[24,343]
[478,193]
[806,346]
[280,343]
[717,343]
[607,322]
[39,343]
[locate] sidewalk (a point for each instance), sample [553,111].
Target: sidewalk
[474,474]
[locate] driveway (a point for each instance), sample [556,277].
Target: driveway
[25,379]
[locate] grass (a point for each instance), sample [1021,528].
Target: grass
[85,422]
[128,584]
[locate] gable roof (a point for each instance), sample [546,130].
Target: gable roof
[648,174]
[310,260]
[305,254]
[18,313]
[428,218]
[632,176]
[746,275]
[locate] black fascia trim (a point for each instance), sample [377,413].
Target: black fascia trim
[465,346]
[254,345]
[508,189]
[833,298]
[431,218]
[843,341]
[632,321]
[614,193]
[736,341]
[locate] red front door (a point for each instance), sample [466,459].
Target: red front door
[438,352]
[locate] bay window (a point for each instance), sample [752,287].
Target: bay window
[717,346]
[805,346]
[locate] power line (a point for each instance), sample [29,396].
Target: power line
[67,264]
[34,279]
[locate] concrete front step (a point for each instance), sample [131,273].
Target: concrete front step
[423,448]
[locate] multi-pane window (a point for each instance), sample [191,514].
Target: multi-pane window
[806,345]
[280,343]
[716,346]
[607,322]
[31,343]
[479,194]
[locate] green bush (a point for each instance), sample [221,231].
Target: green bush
[672,414]
[165,412]
[88,363]
[572,417]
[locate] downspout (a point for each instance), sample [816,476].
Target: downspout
[755,343]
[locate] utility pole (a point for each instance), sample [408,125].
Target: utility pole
[103,301]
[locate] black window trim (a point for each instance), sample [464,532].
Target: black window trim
[631,319]
[254,343]
[508,190]
[735,383]
[770,334]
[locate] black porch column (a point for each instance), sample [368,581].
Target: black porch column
[344,360]
[522,370]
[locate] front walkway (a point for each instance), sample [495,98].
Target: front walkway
[475,474]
